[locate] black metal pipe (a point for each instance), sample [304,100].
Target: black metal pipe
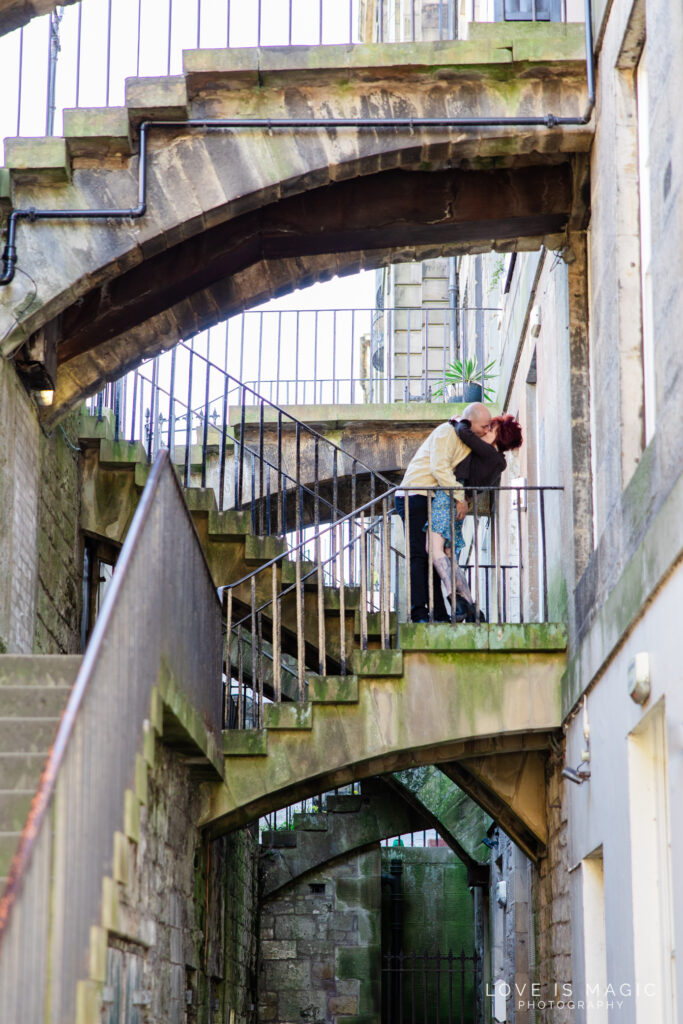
[550,120]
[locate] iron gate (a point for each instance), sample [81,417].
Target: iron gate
[431,988]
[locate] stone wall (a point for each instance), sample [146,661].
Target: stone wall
[19,460]
[60,545]
[40,547]
[437,910]
[185,947]
[551,901]
[320,947]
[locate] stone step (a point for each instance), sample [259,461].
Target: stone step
[278,839]
[288,573]
[14,808]
[27,735]
[288,715]
[245,742]
[201,499]
[259,550]
[333,689]
[114,454]
[378,663]
[33,701]
[344,803]
[41,670]
[351,598]
[310,821]
[21,770]
[233,524]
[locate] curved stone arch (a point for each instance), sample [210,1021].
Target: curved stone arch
[157,302]
[440,706]
[385,809]
[177,269]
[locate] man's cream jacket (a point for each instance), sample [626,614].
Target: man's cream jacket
[434,462]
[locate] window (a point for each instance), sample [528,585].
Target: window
[528,10]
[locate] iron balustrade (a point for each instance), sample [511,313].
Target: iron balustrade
[431,988]
[340,356]
[85,52]
[171,402]
[287,619]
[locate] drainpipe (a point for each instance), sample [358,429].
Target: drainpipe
[453,311]
[9,255]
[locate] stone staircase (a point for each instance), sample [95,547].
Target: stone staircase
[34,690]
[349,822]
[115,473]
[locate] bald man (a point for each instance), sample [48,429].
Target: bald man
[433,465]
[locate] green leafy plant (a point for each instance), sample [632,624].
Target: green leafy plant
[457,373]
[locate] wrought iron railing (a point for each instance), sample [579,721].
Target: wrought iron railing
[81,54]
[303,356]
[202,415]
[291,612]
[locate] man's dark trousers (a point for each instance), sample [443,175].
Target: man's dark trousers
[418,511]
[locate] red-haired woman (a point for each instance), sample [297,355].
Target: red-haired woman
[482,468]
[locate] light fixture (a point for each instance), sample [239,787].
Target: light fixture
[44,398]
[639,678]
[577,775]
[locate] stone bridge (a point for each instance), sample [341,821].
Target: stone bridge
[234,217]
[450,694]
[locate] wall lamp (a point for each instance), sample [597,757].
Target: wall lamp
[576,775]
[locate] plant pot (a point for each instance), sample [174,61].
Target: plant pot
[472,393]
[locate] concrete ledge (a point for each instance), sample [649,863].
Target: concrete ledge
[466,636]
[40,670]
[496,44]
[339,416]
[121,453]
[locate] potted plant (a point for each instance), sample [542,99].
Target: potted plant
[464,380]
